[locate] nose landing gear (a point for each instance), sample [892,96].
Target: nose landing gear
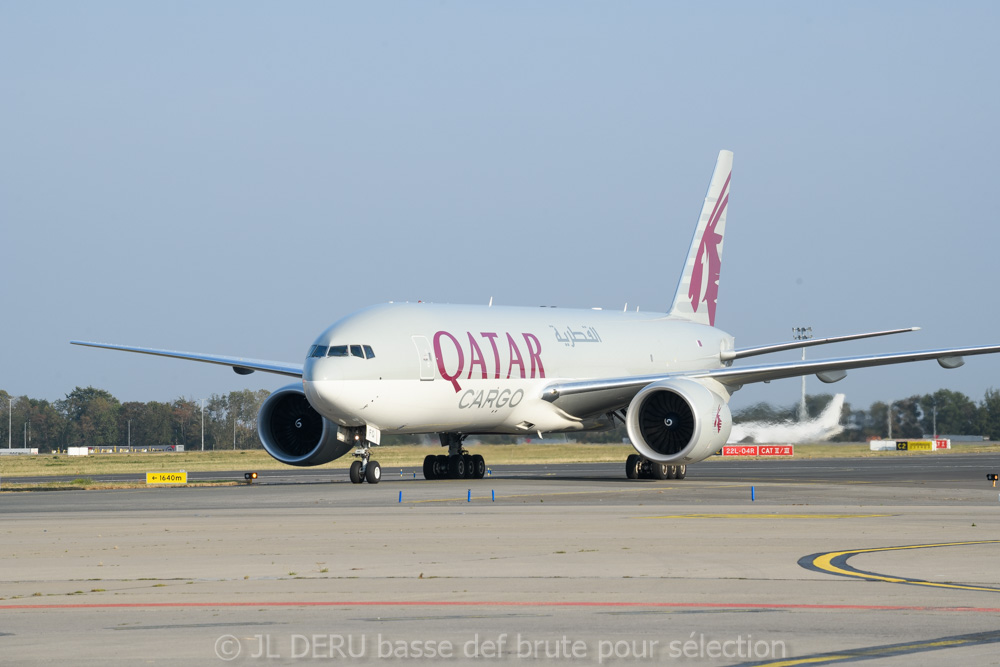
[364,469]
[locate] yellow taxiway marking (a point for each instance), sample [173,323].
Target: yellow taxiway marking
[835,562]
[764,516]
[507,496]
[883,651]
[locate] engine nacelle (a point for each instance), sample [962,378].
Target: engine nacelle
[294,433]
[678,421]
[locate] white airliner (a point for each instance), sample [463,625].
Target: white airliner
[792,432]
[460,370]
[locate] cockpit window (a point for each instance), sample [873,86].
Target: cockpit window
[360,351]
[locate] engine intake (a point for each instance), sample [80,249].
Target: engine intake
[294,433]
[678,421]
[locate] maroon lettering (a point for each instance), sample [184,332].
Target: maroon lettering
[515,354]
[440,359]
[496,352]
[535,353]
[475,357]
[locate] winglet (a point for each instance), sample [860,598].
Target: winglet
[698,289]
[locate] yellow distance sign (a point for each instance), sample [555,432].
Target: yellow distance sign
[914,446]
[180,477]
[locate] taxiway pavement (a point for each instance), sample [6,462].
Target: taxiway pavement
[569,564]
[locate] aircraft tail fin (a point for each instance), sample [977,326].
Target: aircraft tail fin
[698,289]
[830,416]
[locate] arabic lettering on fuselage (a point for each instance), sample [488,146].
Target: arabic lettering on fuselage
[570,338]
[471,349]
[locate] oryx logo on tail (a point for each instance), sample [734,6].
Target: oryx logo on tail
[698,290]
[708,263]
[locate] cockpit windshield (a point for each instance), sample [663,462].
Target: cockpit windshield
[360,351]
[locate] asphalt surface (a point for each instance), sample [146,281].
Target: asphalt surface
[935,470]
[886,561]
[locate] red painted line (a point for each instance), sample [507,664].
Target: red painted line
[502,603]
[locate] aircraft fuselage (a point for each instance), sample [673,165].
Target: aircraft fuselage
[482,369]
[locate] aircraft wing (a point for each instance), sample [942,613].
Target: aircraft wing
[239,364]
[590,397]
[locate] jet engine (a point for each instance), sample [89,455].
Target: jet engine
[294,433]
[678,421]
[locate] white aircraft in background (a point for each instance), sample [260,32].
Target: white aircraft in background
[462,370]
[792,432]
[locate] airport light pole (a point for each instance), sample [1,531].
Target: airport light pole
[10,419]
[802,333]
[934,406]
[203,424]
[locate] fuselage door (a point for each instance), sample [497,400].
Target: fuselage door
[425,357]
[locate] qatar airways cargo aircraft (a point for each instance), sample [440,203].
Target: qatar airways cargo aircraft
[463,370]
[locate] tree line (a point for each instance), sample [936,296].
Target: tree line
[944,412]
[93,417]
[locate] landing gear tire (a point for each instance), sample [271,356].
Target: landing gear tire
[632,466]
[441,467]
[660,470]
[682,471]
[430,467]
[470,470]
[373,473]
[356,473]
[456,467]
[478,466]
[671,472]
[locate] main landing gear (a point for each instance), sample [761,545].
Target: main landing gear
[364,469]
[457,464]
[637,467]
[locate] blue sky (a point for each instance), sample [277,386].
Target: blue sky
[232,177]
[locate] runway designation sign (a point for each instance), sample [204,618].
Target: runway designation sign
[180,477]
[758,450]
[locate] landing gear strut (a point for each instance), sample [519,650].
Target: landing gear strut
[364,469]
[457,464]
[637,467]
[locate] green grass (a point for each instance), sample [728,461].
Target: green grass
[85,468]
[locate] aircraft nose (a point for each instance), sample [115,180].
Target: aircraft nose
[323,387]
[319,370]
